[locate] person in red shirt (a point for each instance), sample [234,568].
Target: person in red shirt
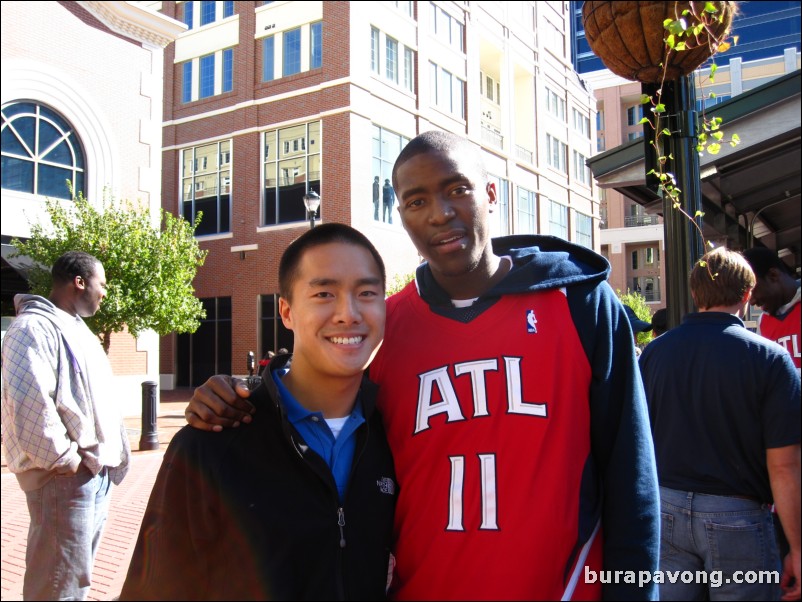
[512,401]
[777,294]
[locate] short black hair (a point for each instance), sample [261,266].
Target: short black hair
[72,264]
[321,235]
[441,142]
[660,321]
[762,260]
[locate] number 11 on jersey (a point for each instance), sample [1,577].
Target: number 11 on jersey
[487,473]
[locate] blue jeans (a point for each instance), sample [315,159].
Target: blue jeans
[67,518]
[727,539]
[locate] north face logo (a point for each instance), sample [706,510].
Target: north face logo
[386,485]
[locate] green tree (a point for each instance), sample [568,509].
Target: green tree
[638,304]
[399,282]
[149,270]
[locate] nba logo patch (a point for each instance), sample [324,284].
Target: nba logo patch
[531,321]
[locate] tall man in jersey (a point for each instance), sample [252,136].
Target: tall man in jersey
[777,293]
[512,402]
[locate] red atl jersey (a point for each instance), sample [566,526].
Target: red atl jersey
[785,332]
[489,426]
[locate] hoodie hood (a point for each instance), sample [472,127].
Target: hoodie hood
[34,304]
[547,262]
[538,263]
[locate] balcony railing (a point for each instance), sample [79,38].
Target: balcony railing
[492,137]
[632,221]
[524,154]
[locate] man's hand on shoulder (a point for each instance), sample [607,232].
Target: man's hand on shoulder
[219,403]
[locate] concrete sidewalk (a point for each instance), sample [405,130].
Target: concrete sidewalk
[125,514]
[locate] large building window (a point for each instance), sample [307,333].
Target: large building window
[228,70]
[405,6]
[527,211]
[291,168]
[581,123]
[385,148]
[581,169]
[206,186]
[273,332]
[189,14]
[207,351]
[448,91]
[292,51]
[555,153]
[206,76]
[207,12]
[316,45]
[389,61]
[40,152]
[409,69]
[489,88]
[268,58]
[446,28]
[584,230]
[648,286]
[206,84]
[555,104]
[186,82]
[558,220]
[634,115]
[374,50]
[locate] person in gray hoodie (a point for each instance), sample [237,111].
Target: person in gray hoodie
[64,437]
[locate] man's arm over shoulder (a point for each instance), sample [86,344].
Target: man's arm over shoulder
[35,435]
[621,439]
[221,402]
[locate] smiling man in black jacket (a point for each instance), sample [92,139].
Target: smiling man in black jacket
[299,504]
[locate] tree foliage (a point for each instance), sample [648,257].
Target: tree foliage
[399,281]
[638,304]
[149,270]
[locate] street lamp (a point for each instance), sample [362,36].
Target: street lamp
[312,202]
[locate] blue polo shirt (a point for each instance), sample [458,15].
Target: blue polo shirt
[337,452]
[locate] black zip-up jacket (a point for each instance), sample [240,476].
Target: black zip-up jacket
[253,514]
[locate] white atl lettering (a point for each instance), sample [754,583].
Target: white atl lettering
[477,369]
[793,348]
[514,397]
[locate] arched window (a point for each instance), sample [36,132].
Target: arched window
[40,152]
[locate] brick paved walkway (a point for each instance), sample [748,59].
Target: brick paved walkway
[125,514]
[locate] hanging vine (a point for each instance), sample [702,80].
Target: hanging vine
[689,29]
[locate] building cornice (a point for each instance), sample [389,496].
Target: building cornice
[135,21]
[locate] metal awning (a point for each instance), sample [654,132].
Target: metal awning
[750,193]
[21,264]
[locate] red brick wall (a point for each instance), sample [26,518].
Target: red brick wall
[124,357]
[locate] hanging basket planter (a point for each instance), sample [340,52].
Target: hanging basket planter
[629,37]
